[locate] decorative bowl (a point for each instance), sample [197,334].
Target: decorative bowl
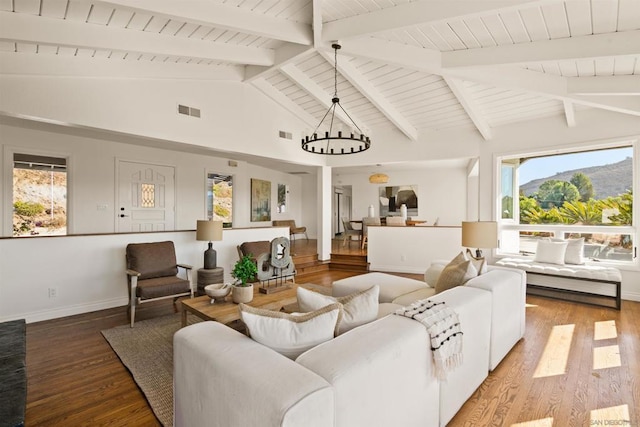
[218,291]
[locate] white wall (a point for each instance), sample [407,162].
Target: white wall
[92,179]
[88,272]
[411,249]
[442,192]
[309,208]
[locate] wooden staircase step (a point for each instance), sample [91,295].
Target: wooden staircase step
[349,262]
[312,267]
[304,259]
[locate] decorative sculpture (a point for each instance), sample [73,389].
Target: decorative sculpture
[276,266]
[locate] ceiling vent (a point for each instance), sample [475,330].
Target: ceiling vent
[285,135]
[188,111]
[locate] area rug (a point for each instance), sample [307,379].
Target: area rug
[13,373]
[147,352]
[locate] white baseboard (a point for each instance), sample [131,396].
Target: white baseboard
[630,296]
[39,316]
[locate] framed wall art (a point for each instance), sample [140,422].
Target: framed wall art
[260,200]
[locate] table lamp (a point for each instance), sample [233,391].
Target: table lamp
[209,231]
[480,234]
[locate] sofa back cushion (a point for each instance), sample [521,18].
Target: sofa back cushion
[157,259]
[291,334]
[359,308]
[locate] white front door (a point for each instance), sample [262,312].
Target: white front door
[146,197]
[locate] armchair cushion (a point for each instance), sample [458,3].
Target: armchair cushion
[161,286]
[151,260]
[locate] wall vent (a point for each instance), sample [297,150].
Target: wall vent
[188,111]
[285,135]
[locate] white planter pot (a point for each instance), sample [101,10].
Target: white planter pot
[242,294]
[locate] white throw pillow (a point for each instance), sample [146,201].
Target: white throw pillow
[358,308]
[550,252]
[291,334]
[478,262]
[433,273]
[575,250]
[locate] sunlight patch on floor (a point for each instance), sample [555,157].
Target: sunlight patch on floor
[606,357]
[527,305]
[605,330]
[544,422]
[615,415]
[556,352]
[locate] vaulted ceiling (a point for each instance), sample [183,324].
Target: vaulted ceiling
[414,66]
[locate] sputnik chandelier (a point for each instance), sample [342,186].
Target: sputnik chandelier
[338,143]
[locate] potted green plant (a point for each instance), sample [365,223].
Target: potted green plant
[243,271]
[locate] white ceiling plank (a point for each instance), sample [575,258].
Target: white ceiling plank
[394,53]
[27,6]
[74,66]
[569,113]
[100,14]
[625,65]
[285,102]
[535,24]
[470,106]
[591,46]
[579,17]
[415,13]
[479,30]
[220,16]
[286,54]
[555,17]
[120,18]
[496,28]
[605,13]
[604,85]
[34,29]
[6,5]
[514,25]
[322,96]
[54,8]
[628,15]
[362,84]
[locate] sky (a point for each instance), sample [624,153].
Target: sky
[543,167]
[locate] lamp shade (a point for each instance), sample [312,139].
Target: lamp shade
[378,178]
[480,234]
[209,230]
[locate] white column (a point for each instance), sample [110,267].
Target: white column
[324,212]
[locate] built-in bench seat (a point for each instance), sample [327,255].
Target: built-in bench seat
[588,283]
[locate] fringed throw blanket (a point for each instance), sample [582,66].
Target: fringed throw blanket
[443,327]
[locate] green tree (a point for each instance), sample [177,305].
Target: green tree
[527,204]
[624,204]
[555,192]
[537,215]
[585,213]
[584,186]
[507,207]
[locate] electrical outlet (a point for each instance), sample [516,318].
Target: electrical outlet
[403,258]
[53,292]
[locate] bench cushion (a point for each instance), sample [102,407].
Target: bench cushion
[584,271]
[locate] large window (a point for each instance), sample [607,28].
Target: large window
[39,195]
[570,195]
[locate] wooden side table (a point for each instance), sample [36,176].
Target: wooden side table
[207,276]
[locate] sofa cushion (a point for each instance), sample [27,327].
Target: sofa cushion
[550,252]
[414,296]
[291,334]
[358,308]
[391,286]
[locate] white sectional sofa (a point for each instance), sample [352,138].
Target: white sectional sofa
[379,373]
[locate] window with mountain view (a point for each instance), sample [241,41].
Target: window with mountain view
[571,195]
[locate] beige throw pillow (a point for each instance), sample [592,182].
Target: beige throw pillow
[291,334]
[358,308]
[479,263]
[456,273]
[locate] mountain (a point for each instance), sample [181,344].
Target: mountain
[607,180]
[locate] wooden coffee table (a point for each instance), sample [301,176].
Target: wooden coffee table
[227,311]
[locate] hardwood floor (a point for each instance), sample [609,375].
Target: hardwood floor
[75,379]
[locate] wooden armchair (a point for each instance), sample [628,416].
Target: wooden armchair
[293,229]
[152,274]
